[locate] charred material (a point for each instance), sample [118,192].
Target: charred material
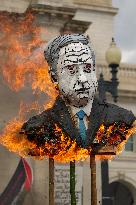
[53,130]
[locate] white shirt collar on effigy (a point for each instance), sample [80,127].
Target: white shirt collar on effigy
[86,109]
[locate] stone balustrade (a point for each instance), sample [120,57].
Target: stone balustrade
[126,76]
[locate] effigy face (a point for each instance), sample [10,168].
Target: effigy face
[76,74]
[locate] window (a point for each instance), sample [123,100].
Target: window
[129,147]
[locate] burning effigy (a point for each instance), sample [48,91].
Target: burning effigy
[76,124]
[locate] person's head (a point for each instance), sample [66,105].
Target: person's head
[72,65]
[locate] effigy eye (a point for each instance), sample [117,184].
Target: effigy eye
[88,68]
[71,69]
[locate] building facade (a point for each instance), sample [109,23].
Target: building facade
[95,18]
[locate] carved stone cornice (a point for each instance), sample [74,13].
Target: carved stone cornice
[62,15]
[70,8]
[94,2]
[54,10]
[98,8]
[75,26]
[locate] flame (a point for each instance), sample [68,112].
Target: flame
[10,136]
[64,150]
[24,60]
[113,136]
[11,139]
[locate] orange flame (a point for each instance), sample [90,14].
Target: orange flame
[113,136]
[24,60]
[11,139]
[65,150]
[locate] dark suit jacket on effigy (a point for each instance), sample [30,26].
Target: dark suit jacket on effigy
[40,129]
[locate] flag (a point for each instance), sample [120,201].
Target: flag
[28,180]
[21,179]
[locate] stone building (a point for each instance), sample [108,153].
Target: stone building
[95,18]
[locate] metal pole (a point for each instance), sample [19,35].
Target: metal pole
[72,183]
[105,183]
[93,180]
[51,181]
[112,87]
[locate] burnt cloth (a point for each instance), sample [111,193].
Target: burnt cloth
[40,128]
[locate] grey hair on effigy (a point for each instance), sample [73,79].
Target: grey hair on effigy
[51,52]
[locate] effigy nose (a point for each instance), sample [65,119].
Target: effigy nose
[81,76]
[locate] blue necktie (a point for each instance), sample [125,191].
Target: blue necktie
[82,127]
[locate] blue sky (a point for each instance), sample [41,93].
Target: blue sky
[125,29]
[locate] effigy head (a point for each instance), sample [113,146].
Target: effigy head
[72,66]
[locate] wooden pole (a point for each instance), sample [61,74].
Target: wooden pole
[72,183]
[51,181]
[93,180]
